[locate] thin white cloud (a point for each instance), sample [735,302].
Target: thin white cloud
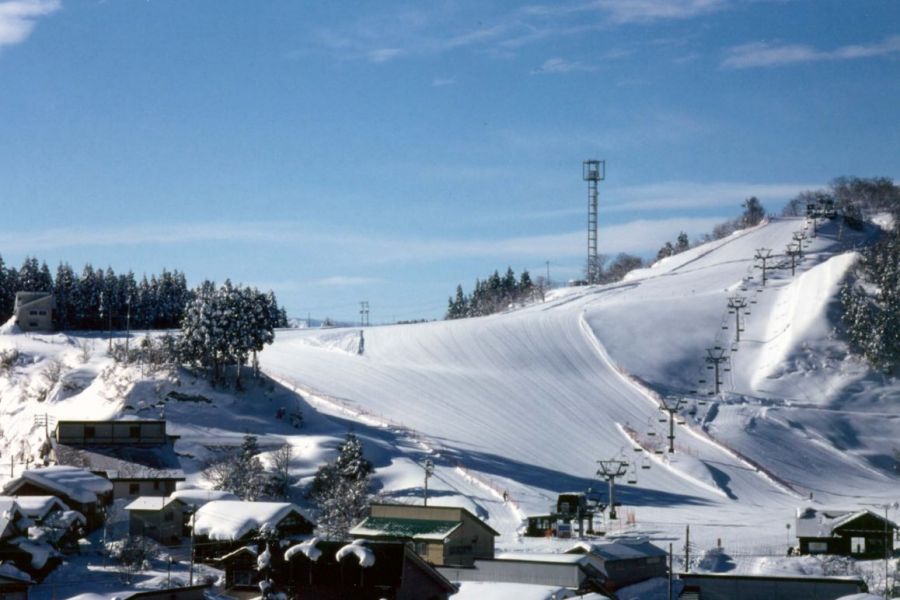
[18,18]
[635,236]
[381,55]
[645,11]
[773,54]
[680,196]
[443,81]
[346,281]
[553,66]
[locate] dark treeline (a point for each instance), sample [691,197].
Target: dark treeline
[95,298]
[752,215]
[492,295]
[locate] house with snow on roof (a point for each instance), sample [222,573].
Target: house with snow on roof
[331,570]
[441,535]
[79,489]
[860,533]
[160,518]
[34,311]
[222,526]
[624,561]
[137,456]
[53,521]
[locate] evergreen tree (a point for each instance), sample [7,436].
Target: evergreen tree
[341,489]
[7,293]
[682,243]
[66,292]
[753,214]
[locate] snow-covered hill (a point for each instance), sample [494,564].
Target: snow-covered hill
[531,399]
[522,405]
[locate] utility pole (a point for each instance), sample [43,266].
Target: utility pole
[127,324]
[763,255]
[364,313]
[193,521]
[687,547]
[429,471]
[610,470]
[548,274]
[714,358]
[888,548]
[670,570]
[671,406]
[735,305]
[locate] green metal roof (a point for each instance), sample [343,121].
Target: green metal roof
[396,527]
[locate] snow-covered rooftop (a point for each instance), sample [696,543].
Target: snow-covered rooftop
[199,496]
[619,549]
[229,520]
[151,503]
[814,523]
[78,484]
[395,527]
[37,507]
[544,557]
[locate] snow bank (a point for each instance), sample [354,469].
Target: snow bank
[358,548]
[308,548]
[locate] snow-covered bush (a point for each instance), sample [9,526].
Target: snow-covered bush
[134,553]
[240,472]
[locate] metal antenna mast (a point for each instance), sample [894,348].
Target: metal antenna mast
[610,470]
[593,171]
[716,357]
[735,305]
[671,406]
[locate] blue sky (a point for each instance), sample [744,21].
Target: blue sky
[380,151]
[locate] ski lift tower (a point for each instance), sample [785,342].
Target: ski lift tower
[593,171]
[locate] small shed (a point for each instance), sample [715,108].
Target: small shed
[13,521]
[158,518]
[54,522]
[861,533]
[441,535]
[34,311]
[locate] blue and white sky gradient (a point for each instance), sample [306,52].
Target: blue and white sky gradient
[386,151]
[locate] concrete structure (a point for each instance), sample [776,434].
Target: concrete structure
[718,586]
[34,311]
[441,535]
[137,456]
[861,534]
[158,518]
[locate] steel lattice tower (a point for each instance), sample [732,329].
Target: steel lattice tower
[593,171]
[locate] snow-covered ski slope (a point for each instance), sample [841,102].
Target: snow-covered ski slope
[529,400]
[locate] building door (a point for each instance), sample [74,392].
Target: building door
[857,545]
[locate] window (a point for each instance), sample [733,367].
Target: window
[818,547]
[169,516]
[243,578]
[33,313]
[134,431]
[857,545]
[156,485]
[90,431]
[134,489]
[43,313]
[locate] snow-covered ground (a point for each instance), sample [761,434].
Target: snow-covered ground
[523,404]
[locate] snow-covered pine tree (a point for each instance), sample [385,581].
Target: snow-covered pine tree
[341,489]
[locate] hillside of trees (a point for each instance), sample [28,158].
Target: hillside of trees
[98,299]
[492,295]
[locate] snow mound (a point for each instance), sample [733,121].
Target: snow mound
[358,548]
[307,548]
